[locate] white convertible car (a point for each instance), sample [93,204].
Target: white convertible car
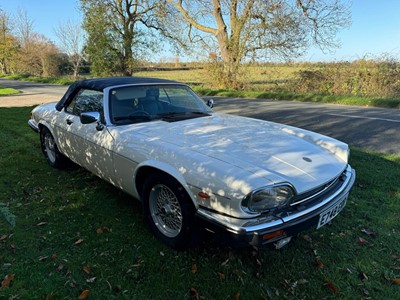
[252,181]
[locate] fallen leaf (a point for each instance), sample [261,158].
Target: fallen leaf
[137,265]
[395,280]
[194,294]
[91,280]
[3,237]
[225,262]
[319,263]
[78,242]
[369,232]
[221,276]
[363,276]
[361,241]
[53,256]
[194,268]
[332,287]
[103,229]
[307,238]
[302,281]
[7,280]
[237,296]
[84,294]
[41,258]
[87,269]
[41,224]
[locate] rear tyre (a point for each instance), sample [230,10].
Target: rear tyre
[168,210]
[50,150]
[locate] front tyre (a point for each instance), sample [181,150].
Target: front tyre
[50,150]
[168,210]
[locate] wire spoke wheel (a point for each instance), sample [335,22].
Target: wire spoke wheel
[165,210]
[49,147]
[169,210]
[50,150]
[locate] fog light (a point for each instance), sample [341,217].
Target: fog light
[283,242]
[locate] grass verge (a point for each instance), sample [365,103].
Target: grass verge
[8,91]
[53,80]
[75,235]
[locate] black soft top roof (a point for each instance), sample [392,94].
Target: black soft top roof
[99,84]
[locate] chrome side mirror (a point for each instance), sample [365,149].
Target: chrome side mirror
[91,117]
[210,103]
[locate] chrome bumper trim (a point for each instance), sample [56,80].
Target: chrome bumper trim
[32,124]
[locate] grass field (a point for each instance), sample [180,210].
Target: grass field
[76,236]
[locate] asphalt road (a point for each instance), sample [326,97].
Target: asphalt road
[367,128]
[34,88]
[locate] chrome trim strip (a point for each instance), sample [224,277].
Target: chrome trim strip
[318,193]
[32,124]
[344,189]
[237,226]
[228,222]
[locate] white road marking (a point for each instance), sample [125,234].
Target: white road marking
[369,118]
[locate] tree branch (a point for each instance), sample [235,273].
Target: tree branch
[191,21]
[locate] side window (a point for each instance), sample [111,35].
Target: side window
[86,101]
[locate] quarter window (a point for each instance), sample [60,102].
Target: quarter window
[86,101]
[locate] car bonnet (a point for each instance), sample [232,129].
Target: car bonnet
[302,158]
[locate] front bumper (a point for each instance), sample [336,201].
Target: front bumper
[32,124]
[267,229]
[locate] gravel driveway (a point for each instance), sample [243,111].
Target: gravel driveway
[32,93]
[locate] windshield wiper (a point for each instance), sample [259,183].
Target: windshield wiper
[134,118]
[182,115]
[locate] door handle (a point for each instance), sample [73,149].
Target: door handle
[69,122]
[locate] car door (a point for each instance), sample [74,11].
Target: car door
[88,144]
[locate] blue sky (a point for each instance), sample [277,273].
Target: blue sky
[375,29]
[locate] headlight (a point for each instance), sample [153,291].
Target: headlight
[268,198]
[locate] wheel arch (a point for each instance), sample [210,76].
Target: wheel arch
[149,167]
[43,124]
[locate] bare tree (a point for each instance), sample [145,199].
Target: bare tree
[71,39]
[23,27]
[243,29]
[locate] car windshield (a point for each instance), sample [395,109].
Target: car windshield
[171,103]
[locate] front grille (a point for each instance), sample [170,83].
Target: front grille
[321,191]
